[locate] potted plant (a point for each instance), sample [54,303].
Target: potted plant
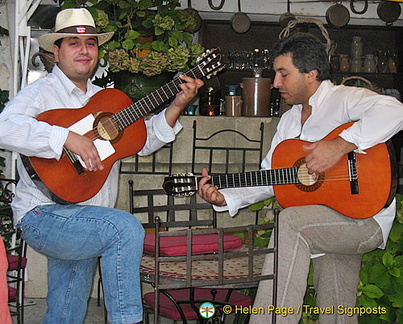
[151,37]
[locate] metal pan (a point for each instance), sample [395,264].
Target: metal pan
[337,15]
[240,21]
[389,11]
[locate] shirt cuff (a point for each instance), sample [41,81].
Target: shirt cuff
[348,138]
[162,130]
[233,204]
[57,139]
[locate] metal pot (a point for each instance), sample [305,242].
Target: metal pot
[240,21]
[389,11]
[337,15]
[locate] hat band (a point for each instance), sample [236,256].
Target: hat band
[78,30]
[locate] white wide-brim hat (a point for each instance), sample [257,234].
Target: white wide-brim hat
[72,22]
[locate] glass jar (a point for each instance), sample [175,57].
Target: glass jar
[356,47]
[382,64]
[369,63]
[393,62]
[344,63]
[356,64]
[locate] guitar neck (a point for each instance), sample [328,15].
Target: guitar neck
[144,106]
[255,178]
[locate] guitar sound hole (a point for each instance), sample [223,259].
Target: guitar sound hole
[107,129]
[307,182]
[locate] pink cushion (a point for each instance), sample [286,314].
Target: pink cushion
[201,244]
[168,309]
[13,262]
[12,293]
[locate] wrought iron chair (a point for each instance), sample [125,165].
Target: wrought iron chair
[16,251]
[188,261]
[160,163]
[226,148]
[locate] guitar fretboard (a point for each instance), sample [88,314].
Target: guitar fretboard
[256,178]
[147,104]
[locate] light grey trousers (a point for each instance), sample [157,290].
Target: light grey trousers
[309,230]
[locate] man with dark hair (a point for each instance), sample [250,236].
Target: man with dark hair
[335,242]
[74,236]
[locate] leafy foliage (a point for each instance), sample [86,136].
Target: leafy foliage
[381,276]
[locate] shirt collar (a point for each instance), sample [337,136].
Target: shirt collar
[318,97]
[69,85]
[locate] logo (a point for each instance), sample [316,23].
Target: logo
[207,310]
[81,29]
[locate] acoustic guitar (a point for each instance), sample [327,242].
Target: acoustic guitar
[116,126]
[358,186]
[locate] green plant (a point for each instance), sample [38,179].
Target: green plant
[381,285]
[151,36]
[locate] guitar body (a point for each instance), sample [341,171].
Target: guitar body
[118,131]
[63,183]
[333,189]
[358,186]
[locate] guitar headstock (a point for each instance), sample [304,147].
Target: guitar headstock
[212,62]
[180,184]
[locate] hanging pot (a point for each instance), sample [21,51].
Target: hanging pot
[286,17]
[389,11]
[240,21]
[196,16]
[337,15]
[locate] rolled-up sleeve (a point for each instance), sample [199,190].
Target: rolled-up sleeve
[159,133]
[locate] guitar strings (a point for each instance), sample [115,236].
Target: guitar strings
[282,176]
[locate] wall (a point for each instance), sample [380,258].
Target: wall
[5,49]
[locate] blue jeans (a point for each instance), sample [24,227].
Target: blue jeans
[73,237]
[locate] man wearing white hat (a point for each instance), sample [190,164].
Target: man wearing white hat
[74,236]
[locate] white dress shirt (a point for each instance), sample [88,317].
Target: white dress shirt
[22,133]
[378,119]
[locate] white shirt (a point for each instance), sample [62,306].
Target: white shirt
[22,133]
[378,119]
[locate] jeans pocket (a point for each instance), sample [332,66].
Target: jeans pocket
[31,235]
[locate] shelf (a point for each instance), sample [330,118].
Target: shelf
[374,74]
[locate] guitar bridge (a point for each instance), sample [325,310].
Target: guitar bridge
[74,161]
[78,166]
[353,173]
